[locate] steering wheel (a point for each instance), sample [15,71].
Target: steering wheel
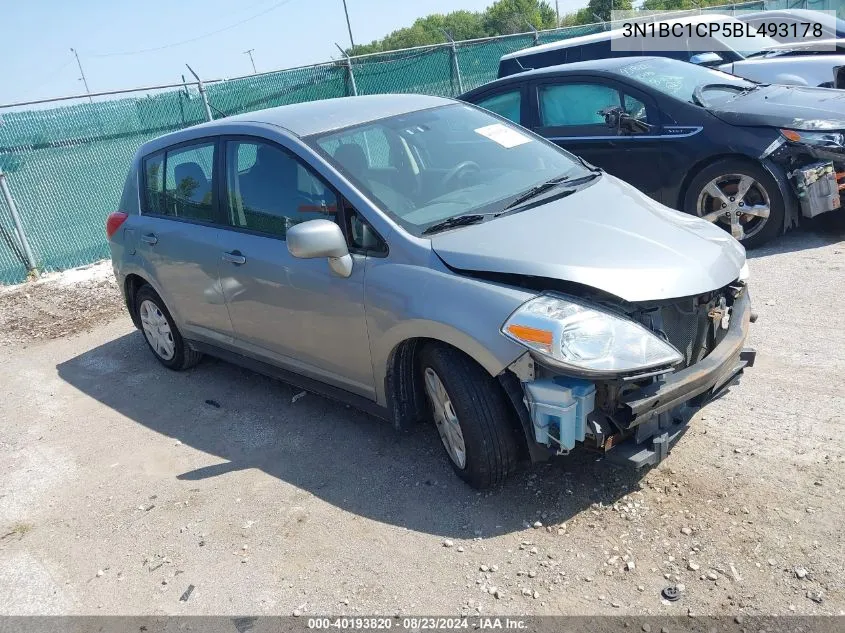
[459,169]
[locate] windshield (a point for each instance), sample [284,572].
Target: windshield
[679,79]
[746,44]
[425,167]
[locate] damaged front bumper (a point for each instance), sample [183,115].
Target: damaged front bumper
[661,411]
[638,424]
[815,173]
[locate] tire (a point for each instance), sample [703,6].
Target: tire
[755,230]
[481,411]
[154,315]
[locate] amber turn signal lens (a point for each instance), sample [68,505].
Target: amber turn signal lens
[791,135]
[531,334]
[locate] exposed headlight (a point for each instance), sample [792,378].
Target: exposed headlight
[820,139]
[744,272]
[587,339]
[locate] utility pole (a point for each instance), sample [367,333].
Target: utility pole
[249,52]
[82,73]
[557,13]
[348,24]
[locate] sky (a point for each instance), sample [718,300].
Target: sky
[126,43]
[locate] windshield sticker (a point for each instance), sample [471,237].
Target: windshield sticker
[503,135]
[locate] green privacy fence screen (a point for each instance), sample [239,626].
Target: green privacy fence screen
[66,165]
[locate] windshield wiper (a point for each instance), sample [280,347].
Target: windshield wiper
[458,220]
[546,186]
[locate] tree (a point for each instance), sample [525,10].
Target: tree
[603,8]
[503,17]
[461,25]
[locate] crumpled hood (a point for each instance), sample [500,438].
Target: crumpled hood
[608,236]
[794,107]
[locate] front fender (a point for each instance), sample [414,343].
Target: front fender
[405,301]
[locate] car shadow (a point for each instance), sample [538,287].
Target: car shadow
[824,230]
[343,456]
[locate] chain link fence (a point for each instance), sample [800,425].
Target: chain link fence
[65,165]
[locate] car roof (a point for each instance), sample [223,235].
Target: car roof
[607,66]
[605,35]
[317,117]
[806,14]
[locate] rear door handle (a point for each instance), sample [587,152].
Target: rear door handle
[234,257]
[149,238]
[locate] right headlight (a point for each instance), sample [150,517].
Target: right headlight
[587,339]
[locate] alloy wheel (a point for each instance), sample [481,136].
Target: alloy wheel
[736,202]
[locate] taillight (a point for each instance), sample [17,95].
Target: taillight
[114,221]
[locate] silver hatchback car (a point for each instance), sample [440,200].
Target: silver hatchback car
[422,258]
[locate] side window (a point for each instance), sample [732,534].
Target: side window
[504,104]
[635,108]
[596,50]
[187,183]
[362,236]
[269,190]
[573,104]
[154,184]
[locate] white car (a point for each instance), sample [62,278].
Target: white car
[832,27]
[754,57]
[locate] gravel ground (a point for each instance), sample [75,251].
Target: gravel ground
[122,485]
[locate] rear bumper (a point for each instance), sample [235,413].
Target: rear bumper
[661,412]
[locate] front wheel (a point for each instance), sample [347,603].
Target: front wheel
[739,196]
[472,416]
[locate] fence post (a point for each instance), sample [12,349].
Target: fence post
[208,116]
[534,31]
[351,87]
[455,68]
[16,219]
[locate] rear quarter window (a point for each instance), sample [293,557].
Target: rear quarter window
[154,184]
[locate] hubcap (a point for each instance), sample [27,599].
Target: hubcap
[737,202]
[445,418]
[157,330]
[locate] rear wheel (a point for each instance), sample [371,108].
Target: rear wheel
[472,416]
[740,197]
[161,333]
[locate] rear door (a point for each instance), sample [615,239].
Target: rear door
[292,312]
[178,237]
[566,110]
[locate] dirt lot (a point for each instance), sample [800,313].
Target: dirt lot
[123,484]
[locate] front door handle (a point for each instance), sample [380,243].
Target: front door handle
[149,238]
[234,257]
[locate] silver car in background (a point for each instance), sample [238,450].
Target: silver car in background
[424,259]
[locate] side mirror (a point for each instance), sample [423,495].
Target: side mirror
[320,238]
[706,59]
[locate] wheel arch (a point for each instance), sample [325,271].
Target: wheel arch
[776,171]
[406,400]
[131,285]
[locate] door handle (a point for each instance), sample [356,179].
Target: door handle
[149,238]
[234,257]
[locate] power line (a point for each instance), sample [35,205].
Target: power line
[47,78]
[198,37]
